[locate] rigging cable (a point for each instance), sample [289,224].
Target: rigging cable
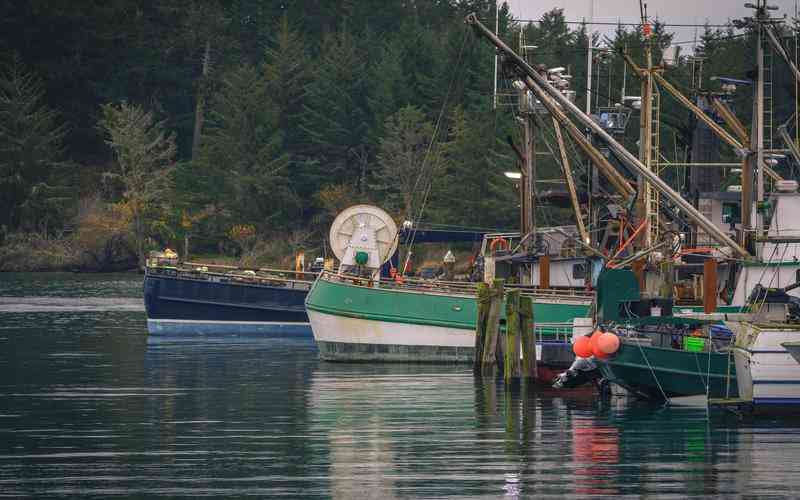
[436,130]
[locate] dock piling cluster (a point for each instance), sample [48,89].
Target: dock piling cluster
[515,346]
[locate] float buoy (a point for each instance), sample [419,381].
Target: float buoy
[582,347]
[498,241]
[608,343]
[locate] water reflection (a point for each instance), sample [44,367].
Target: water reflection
[90,407]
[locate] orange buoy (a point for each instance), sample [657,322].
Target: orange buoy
[499,241]
[582,347]
[608,343]
[595,336]
[597,352]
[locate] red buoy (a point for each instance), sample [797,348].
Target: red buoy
[582,347]
[597,352]
[608,343]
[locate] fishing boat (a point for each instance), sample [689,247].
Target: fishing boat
[356,315]
[660,356]
[203,299]
[185,298]
[765,352]
[355,319]
[767,373]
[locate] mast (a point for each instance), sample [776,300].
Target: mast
[760,121]
[647,204]
[589,61]
[592,178]
[496,31]
[763,36]
[542,88]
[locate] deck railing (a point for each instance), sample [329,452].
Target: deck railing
[452,287]
[232,274]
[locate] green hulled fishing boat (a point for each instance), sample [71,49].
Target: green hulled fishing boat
[665,372]
[355,319]
[661,356]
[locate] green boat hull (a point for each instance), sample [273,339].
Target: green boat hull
[553,316]
[353,322]
[656,372]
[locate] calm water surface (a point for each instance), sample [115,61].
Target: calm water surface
[90,407]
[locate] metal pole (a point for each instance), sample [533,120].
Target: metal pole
[496,30]
[623,154]
[593,180]
[695,164]
[531,171]
[576,206]
[760,129]
[589,61]
[780,50]
[645,144]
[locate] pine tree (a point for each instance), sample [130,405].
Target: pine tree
[242,153]
[336,114]
[387,92]
[471,190]
[33,194]
[286,70]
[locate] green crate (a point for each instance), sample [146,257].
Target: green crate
[694,344]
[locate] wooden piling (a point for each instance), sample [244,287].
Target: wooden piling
[527,337]
[511,362]
[638,269]
[484,301]
[489,361]
[544,271]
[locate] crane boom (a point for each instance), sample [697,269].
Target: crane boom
[544,88]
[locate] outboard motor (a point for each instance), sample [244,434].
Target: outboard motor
[582,371]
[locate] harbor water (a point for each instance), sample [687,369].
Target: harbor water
[89,406]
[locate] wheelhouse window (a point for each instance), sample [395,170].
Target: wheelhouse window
[579,271]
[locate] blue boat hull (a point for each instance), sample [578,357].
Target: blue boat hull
[184,306]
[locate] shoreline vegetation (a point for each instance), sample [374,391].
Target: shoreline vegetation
[240,129]
[76,253]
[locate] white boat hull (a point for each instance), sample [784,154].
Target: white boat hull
[342,338]
[767,374]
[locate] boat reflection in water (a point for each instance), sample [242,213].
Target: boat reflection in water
[287,422]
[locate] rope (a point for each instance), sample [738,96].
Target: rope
[708,368]
[756,309]
[652,372]
[436,130]
[706,383]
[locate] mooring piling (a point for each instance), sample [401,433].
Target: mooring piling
[511,363]
[492,333]
[527,337]
[483,299]
[515,346]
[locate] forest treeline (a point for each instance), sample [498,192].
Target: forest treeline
[241,127]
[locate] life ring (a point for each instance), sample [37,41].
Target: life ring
[498,241]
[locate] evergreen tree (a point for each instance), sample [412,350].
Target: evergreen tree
[471,190]
[242,155]
[406,159]
[387,93]
[336,113]
[286,71]
[33,175]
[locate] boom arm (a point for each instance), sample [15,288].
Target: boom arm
[542,88]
